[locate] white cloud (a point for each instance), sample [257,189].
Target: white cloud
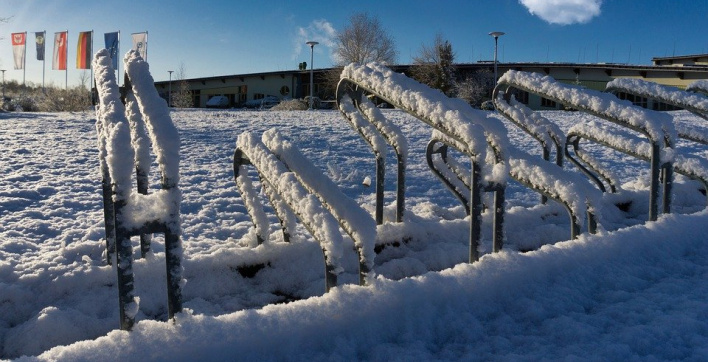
[320,31]
[564,12]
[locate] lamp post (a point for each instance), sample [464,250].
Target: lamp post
[169,94]
[3,88]
[496,35]
[312,51]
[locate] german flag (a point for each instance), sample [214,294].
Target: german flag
[83,50]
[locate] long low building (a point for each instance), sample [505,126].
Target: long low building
[676,71]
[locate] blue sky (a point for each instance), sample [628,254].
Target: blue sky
[213,37]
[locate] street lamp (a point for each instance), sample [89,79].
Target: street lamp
[169,94]
[312,51]
[496,35]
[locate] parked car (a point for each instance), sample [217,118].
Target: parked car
[265,102]
[218,102]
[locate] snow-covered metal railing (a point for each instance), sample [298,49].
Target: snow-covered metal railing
[625,142]
[134,213]
[692,102]
[377,131]
[698,86]
[655,126]
[473,131]
[290,178]
[547,133]
[573,193]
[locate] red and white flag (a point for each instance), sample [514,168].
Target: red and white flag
[60,51]
[140,41]
[18,49]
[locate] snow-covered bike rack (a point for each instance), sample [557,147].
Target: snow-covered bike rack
[656,127]
[377,131]
[294,184]
[698,86]
[128,213]
[472,133]
[692,102]
[620,140]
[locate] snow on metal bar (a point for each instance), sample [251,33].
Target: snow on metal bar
[693,167]
[254,207]
[138,134]
[390,131]
[112,125]
[537,126]
[692,132]
[308,208]
[452,116]
[354,220]
[698,86]
[655,125]
[695,103]
[163,204]
[366,129]
[569,189]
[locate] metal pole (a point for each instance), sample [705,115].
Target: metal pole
[169,92]
[496,35]
[3,86]
[312,55]
[44,57]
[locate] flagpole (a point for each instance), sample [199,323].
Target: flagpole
[118,60]
[44,57]
[146,45]
[24,61]
[66,56]
[91,65]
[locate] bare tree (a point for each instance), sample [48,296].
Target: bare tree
[364,40]
[475,88]
[183,97]
[435,67]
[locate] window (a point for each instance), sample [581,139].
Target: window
[521,96]
[636,100]
[545,102]
[658,106]
[284,90]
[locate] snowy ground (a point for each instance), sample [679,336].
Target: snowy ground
[634,291]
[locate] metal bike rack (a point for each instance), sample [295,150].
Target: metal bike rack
[473,136]
[692,167]
[535,125]
[615,111]
[452,177]
[116,184]
[366,119]
[287,163]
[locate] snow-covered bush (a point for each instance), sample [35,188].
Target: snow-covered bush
[291,105]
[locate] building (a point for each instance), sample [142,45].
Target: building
[672,71]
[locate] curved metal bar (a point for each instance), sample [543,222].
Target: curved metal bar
[444,175]
[241,159]
[357,98]
[475,190]
[679,167]
[588,171]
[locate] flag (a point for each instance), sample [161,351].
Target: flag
[140,44]
[60,51]
[83,50]
[18,49]
[39,39]
[112,40]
